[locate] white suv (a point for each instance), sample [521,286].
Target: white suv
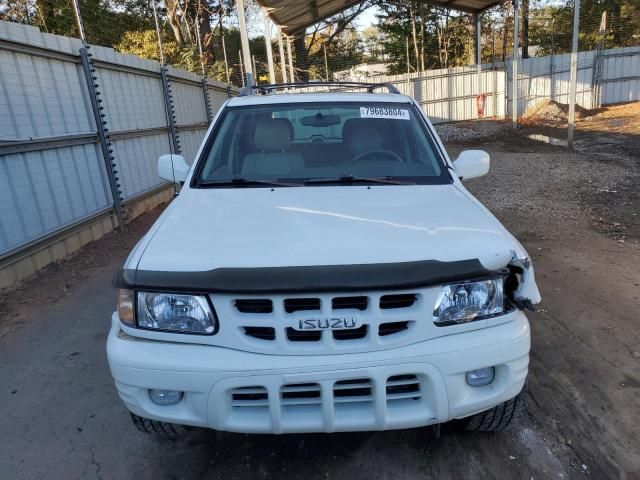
[323,269]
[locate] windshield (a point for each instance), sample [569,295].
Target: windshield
[320,142]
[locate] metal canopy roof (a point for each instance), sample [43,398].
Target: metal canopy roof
[296,15]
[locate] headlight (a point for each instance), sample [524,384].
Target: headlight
[468,301]
[175,313]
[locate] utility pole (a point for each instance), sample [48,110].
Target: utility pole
[226,63]
[326,63]
[291,75]
[244,40]
[408,66]
[204,74]
[267,42]
[283,60]
[244,84]
[76,8]
[155,17]
[255,70]
[574,72]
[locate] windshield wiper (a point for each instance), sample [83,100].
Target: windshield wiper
[351,179]
[246,182]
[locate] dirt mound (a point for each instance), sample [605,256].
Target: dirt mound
[550,111]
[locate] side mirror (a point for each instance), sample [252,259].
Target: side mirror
[471,164]
[173,168]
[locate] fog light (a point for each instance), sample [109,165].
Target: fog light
[481,377]
[165,397]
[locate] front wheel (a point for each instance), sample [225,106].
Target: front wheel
[154,427]
[499,417]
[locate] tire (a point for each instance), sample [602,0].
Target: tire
[154,427]
[499,417]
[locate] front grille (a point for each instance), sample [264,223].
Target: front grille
[261,333]
[404,300]
[300,394]
[392,328]
[349,391]
[403,387]
[297,304]
[294,335]
[350,334]
[253,396]
[359,303]
[251,305]
[265,319]
[359,402]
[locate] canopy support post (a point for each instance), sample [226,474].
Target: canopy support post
[267,41]
[291,73]
[514,68]
[574,72]
[244,40]
[283,59]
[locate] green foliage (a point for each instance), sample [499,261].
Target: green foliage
[144,43]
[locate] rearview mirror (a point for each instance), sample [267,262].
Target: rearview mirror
[471,164]
[320,120]
[173,168]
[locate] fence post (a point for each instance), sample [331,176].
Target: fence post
[103,138]
[101,124]
[170,109]
[207,102]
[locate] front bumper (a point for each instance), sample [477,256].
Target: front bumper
[410,386]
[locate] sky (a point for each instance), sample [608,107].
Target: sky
[367,18]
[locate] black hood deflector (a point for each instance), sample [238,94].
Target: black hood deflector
[298,279]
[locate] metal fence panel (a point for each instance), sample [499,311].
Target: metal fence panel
[188,99]
[449,94]
[137,160]
[217,96]
[41,97]
[52,173]
[41,191]
[190,141]
[621,75]
[542,78]
[132,101]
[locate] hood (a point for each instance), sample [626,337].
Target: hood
[205,229]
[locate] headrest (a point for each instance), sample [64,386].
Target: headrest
[361,135]
[273,134]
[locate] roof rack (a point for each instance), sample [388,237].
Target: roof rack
[266,89]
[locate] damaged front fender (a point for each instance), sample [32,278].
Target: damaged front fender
[526,294]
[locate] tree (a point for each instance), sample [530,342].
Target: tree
[372,41]
[442,41]
[339,29]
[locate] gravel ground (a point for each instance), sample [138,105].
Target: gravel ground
[472,131]
[61,418]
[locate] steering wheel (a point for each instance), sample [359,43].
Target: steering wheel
[373,153]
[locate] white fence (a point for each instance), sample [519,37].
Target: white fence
[53,174]
[542,78]
[449,95]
